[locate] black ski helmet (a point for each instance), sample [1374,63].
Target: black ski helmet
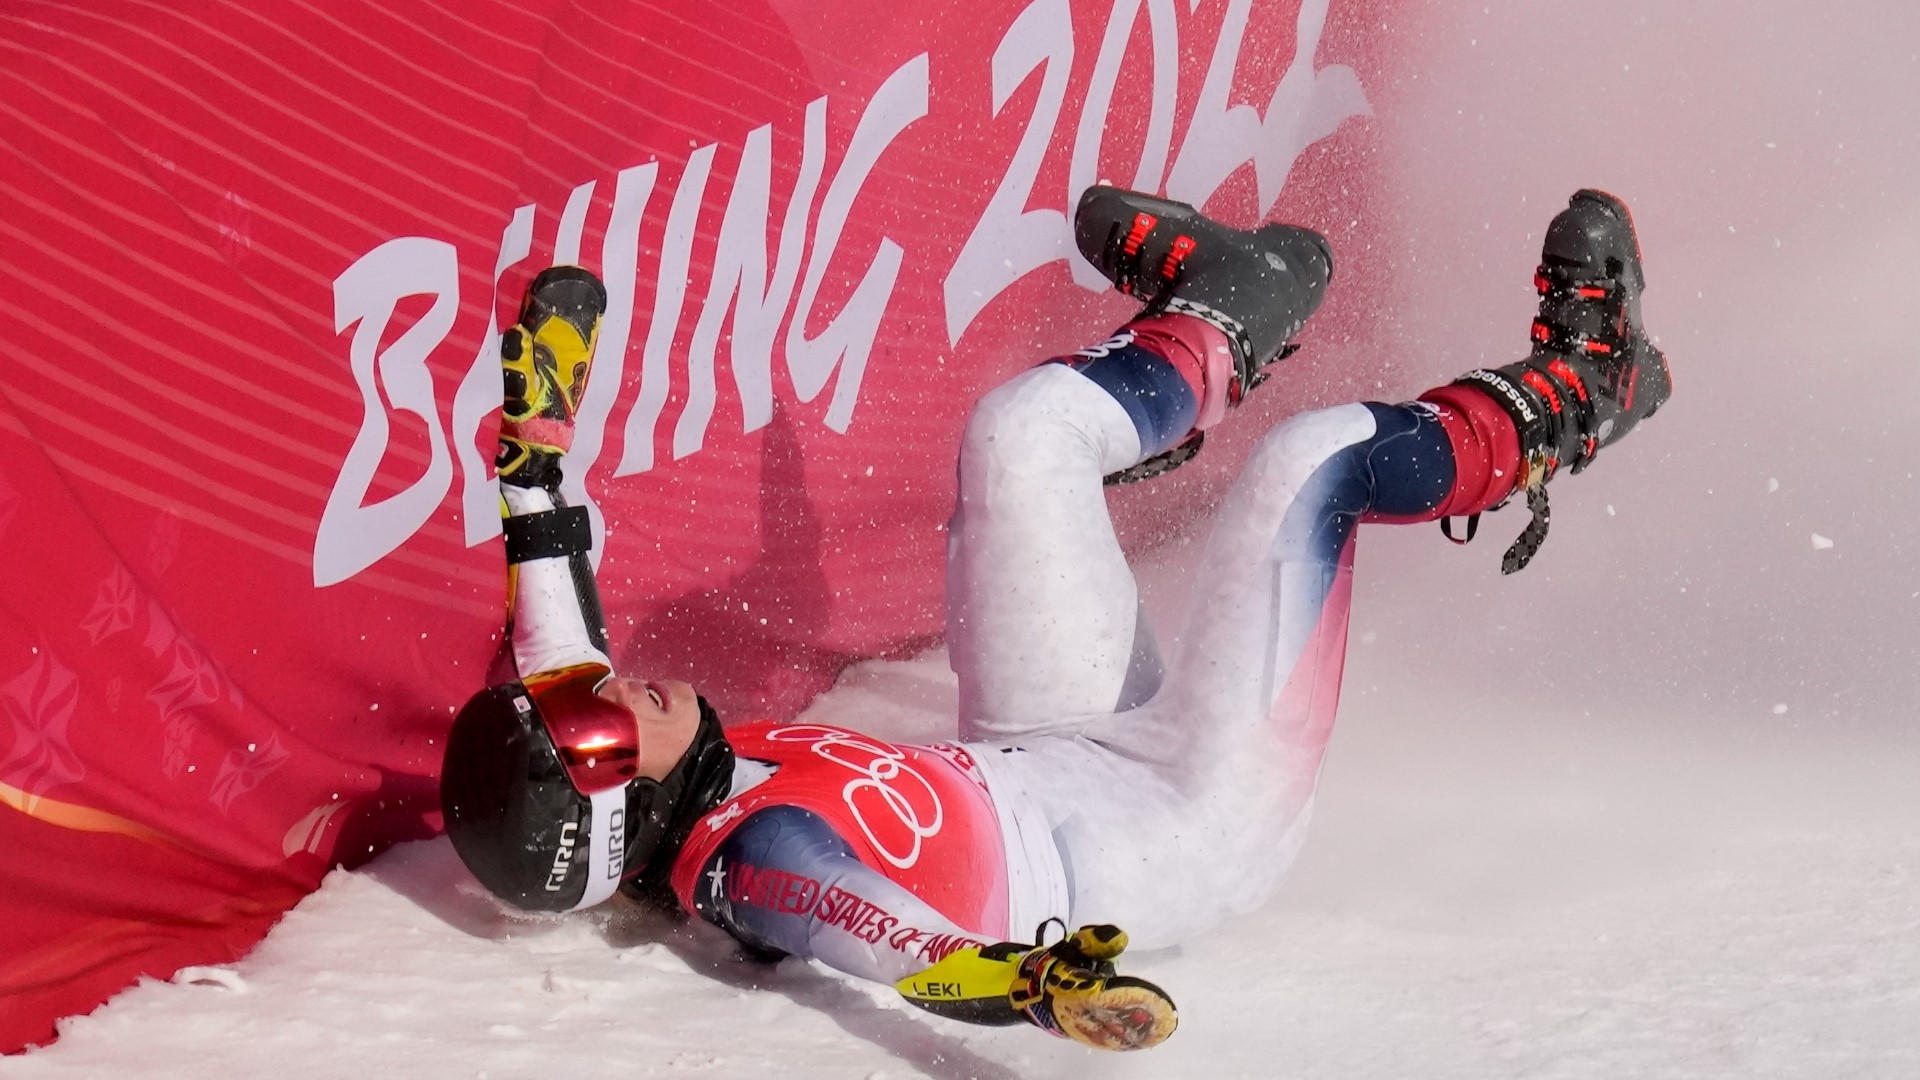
[542,799]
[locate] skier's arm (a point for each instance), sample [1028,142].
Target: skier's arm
[554,617]
[785,881]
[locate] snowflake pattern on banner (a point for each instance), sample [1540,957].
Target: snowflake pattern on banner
[244,768]
[113,606]
[191,683]
[39,703]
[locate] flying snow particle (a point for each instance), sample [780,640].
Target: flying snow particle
[1610,512]
[1780,709]
[1821,543]
[1772,485]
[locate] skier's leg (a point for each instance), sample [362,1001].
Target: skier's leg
[1044,620]
[1207,786]
[1044,624]
[1191,807]
[1258,668]
[1263,650]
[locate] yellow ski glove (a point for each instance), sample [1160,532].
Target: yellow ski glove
[544,363]
[1068,988]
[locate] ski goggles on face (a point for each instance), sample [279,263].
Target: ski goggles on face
[598,741]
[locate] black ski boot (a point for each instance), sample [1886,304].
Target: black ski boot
[1593,375]
[1257,286]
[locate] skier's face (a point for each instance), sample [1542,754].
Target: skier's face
[668,713]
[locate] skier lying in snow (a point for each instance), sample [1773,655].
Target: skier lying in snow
[1091,784]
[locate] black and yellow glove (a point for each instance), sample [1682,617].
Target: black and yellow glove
[544,364]
[1068,988]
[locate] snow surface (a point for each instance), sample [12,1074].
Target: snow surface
[1646,810]
[1624,895]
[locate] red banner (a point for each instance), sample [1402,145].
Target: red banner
[257,256]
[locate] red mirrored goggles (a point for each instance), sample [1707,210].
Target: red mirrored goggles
[598,740]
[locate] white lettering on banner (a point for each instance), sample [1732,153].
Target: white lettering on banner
[739,281]
[1083,168]
[762,282]
[573,221]
[1009,241]
[620,271]
[1308,105]
[848,339]
[479,395]
[351,536]
[669,294]
[879,765]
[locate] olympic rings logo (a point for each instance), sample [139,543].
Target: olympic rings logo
[880,766]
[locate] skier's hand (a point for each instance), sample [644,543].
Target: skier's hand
[544,364]
[1068,988]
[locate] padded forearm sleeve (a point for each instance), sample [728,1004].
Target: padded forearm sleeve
[555,617]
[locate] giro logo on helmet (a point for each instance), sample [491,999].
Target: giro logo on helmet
[616,851]
[563,858]
[887,787]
